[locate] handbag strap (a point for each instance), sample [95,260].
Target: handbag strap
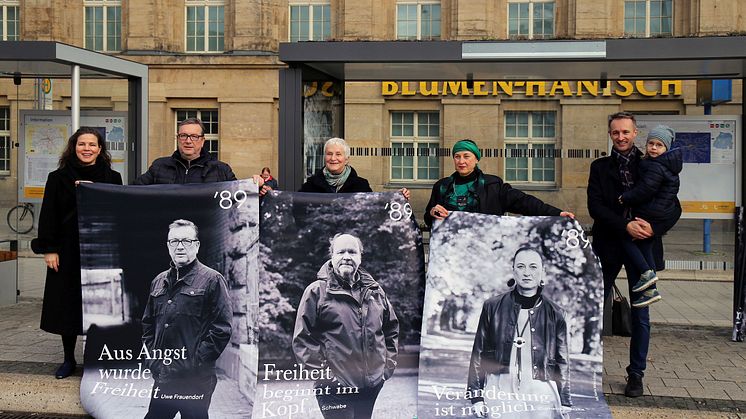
[617,294]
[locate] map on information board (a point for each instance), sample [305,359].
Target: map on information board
[695,146]
[710,179]
[45,138]
[44,135]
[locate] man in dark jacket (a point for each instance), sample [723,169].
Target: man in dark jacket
[521,345]
[346,323]
[610,177]
[188,315]
[190,163]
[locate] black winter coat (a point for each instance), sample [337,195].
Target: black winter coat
[496,198]
[62,311]
[609,222]
[174,169]
[317,183]
[653,198]
[493,343]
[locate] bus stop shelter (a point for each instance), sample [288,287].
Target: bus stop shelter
[53,60]
[603,60]
[30,60]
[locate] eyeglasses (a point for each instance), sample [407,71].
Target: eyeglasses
[184,242]
[193,137]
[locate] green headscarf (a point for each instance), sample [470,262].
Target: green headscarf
[467,145]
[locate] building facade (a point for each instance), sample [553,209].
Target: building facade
[217,60]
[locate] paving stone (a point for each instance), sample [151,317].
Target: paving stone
[737,394]
[677,382]
[661,390]
[698,375]
[728,386]
[705,393]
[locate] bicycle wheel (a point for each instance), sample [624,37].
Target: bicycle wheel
[21,219]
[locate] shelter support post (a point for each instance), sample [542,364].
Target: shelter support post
[75,97]
[137,127]
[290,147]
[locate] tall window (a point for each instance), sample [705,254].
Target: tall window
[415,137]
[310,21]
[4,141]
[9,17]
[418,19]
[530,139]
[209,118]
[103,25]
[531,19]
[645,18]
[205,25]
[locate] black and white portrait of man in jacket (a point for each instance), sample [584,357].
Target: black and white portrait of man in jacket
[346,323]
[188,310]
[521,347]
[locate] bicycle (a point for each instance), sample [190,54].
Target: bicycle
[21,218]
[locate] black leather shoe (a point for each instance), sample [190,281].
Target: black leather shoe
[634,386]
[65,370]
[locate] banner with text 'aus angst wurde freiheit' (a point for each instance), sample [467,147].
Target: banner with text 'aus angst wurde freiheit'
[169,285]
[341,282]
[512,320]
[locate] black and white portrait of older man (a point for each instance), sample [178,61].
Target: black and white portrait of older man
[346,323]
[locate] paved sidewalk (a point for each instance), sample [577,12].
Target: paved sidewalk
[694,370]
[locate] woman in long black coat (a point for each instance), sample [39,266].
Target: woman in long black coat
[85,159]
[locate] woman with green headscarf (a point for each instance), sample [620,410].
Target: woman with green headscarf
[469,189]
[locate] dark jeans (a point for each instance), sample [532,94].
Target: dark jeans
[349,406]
[640,254]
[640,340]
[166,405]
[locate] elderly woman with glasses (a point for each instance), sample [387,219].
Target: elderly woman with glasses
[469,189]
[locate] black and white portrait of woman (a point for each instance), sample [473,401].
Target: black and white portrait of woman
[511,321]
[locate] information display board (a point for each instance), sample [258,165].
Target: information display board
[43,136]
[710,179]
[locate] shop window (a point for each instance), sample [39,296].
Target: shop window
[648,18]
[415,138]
[531,19]
[103,25]
[310,21]
[9,18]
[205,25]
[418,20]
[530,147]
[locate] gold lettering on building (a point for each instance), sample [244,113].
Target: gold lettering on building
[582,88]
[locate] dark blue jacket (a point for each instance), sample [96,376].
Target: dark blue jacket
[653,198]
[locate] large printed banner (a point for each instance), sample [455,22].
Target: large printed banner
[511,324]
[340,287]
[169,282]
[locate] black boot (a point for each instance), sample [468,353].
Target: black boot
[634,386]
[65,370]
[68,367]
